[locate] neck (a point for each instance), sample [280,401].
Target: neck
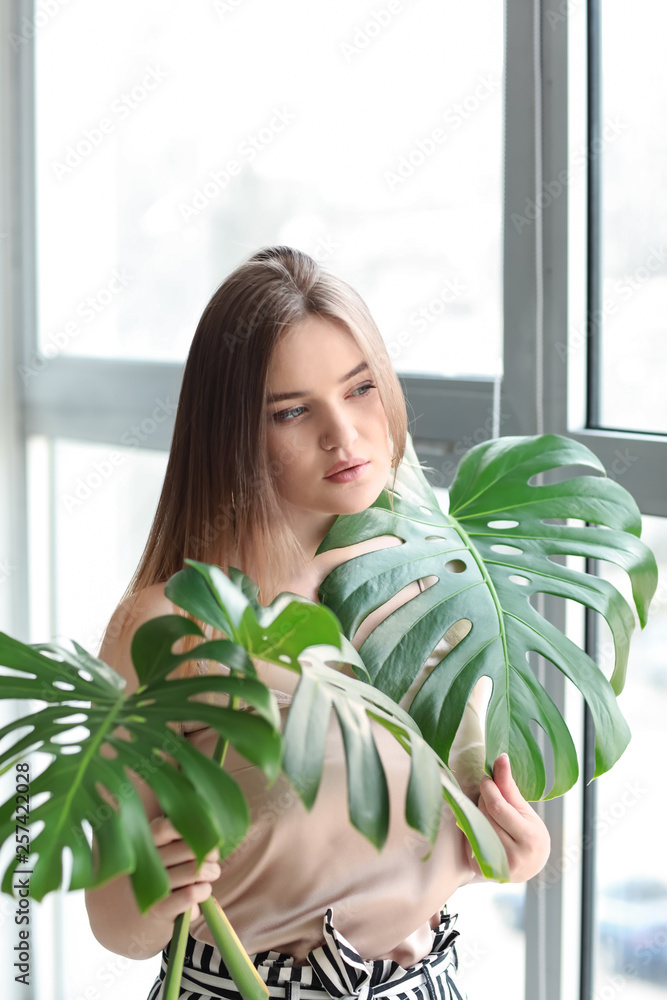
[310,528]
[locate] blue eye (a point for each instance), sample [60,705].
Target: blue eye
[363,390]
[284,415]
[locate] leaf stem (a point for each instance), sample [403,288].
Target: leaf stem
[243,972]
[234,955]
[172,981]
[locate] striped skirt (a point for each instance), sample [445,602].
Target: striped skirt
[335,971]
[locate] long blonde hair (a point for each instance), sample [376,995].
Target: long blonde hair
[219,501]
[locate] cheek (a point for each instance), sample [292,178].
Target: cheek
[283,450]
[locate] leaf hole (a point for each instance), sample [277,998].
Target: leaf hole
[503,524]
[454,634]
[72,720]
[284,658]
[85,675]
[23,674]
[71,748]
[427,581]
[435,538]
[508,550]
[455,566]
[63,685]
[523,581]
[70,736]
[425,510]
[39,800]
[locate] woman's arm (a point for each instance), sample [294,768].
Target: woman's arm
[114,916]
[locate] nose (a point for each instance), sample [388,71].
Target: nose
[338,431]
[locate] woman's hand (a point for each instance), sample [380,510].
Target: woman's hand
[522,832]
[188,886]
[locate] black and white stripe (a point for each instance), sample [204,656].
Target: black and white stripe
[336,971]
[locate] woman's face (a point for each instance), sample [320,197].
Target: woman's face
[327,431]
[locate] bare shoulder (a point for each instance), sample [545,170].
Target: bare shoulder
[128,616]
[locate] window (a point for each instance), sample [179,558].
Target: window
[631,321]
[169,143]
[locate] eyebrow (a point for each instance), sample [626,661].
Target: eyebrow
[300,393]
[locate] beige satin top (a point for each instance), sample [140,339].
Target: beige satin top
[294,864]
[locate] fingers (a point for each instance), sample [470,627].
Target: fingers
[167,838]
[187,874]
[181,900]
[521,831]
[502,776]
[163,831]
[189,885]
[504,816]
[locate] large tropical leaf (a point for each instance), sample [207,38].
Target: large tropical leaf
[82,704]
[93,734]
[305,637]
[493,551]
[357,704]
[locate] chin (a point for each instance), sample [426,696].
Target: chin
[364,499]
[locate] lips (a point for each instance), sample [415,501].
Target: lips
[349,463]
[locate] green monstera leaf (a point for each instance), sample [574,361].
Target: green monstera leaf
[83,787]
[92,734]
[489,555]
[305,637]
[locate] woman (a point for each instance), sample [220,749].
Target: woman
[289,415]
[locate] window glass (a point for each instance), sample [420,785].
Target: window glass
[633,325]
[631,910]
[172,140]
[103,498]
[491,923]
